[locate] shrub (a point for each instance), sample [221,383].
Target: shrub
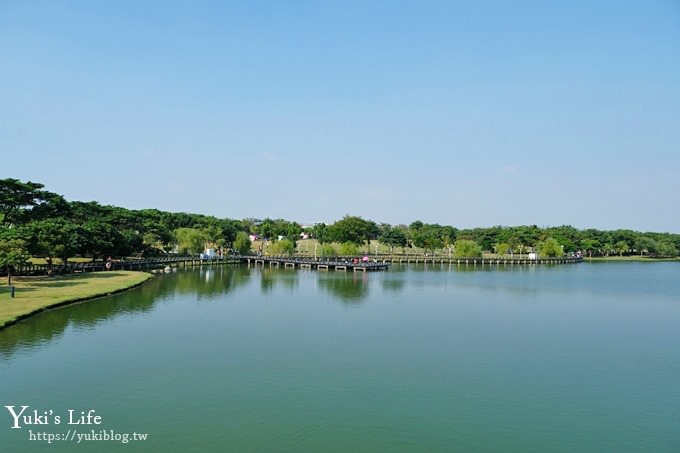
[242,243]
[328,250]
[349,248]
[282,247]
[465,248]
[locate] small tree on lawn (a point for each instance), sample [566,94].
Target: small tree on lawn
[12,254]
[349,248]
[242,243]
[283,247]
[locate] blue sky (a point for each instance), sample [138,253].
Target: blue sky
[459,113]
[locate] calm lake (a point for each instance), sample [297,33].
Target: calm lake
[580,357]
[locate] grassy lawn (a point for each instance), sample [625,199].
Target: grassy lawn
[638,258]
[33,294]
[59,261]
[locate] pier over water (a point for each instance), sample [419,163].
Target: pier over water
[348,264]
[320,264]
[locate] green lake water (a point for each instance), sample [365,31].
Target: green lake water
[582,357]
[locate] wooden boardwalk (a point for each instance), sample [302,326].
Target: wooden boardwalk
[319,264]
[378,263]
[124,264]
[476,261]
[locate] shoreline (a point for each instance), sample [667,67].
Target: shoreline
[629,259]
[127,282]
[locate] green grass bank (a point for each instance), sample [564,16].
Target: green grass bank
[632,258]
[36,294]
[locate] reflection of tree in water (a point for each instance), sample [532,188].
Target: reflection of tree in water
[215,281]
[350,288]
[271,277]
[51,324]
[393,285]
[455,267]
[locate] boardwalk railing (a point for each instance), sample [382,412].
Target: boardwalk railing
[121,264]
[344,263]
[475,260]
[337,264]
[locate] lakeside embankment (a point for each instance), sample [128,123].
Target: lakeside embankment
[628,258]
[37,294]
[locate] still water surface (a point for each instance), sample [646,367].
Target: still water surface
[421,358]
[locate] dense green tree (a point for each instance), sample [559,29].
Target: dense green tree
[16,197]
[448,235]
[502,248]
[279,228]
[597,236]
[242,243]
[282,247]
[320,232]
[515,245]
[101,239]
[550,248]
[265,230]
[13,251]
[293,232]
[153,245]
[622,247]
[428,237]
[590,245]
[645,244]
[56,238]
[190,240]
[229,229]
[131,243]
[627,236]
[466,248]
[486,238]
[156,229]
[528,236]
[666,249]
[567,236]
[214,237]
[391,236]
[50,206]
[54,227]
[352,229]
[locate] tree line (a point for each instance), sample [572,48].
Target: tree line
[35,222]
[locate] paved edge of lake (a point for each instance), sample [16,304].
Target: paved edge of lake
[133,280]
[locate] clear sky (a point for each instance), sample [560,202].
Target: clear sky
[459,113]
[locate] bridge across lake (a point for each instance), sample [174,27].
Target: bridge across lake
[320,264]
[376,263]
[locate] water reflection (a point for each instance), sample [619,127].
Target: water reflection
[272,277]
[393,285]
[51,324]
[462,267]
[212,283]
[207,283]
[349,288]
